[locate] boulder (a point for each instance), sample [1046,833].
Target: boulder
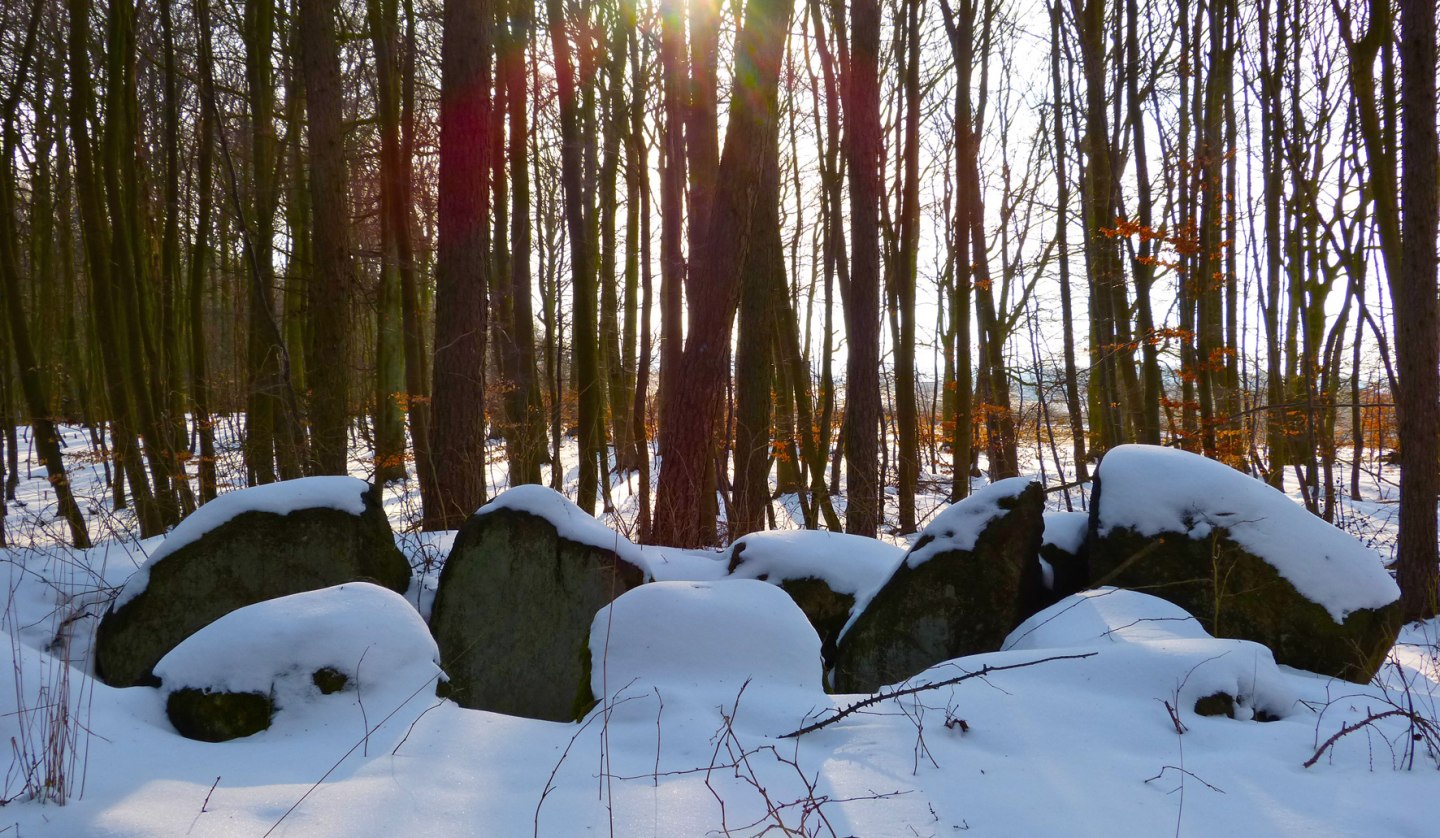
[515,601]
[1246,560]
[959,591]
[302,658]
[209,716]
[242,548]
[1063,550]
[823,572]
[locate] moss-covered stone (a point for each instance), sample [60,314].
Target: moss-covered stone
[1215,541]
[329,680]
[512,614]
[955,603]
[1216,704]
[1234,593]
[1227,705]
[251,558]
[218,716]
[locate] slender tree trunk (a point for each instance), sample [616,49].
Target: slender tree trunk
[861,93]
[906,416]
[762,279]
[382,16]
[1062,201]
[586,363]
[1143,265]
[32,383]
[200,257]
[526,433]
[672,195]
[1417,323]
[691,412]
[462,267]
[334,273]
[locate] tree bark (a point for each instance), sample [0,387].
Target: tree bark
[334,273]
[1417,322]
[462,266]
[861,88]
[690,413]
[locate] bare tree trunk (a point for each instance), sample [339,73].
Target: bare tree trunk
[391,362]
[762,279]
[1417,322]
[1072,379]
[861,93]
[691,411]
[462,267]
[32,384]
[334,273]
[906,416]
[672,195]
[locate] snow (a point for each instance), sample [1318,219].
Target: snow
[959,526]
[370,634]
[848,564]
[573,524]
[346,494]
[570,521]
[711,635]
[1111,614]
[1152,489]
[1139,638]
[1068,747]
[1066,530]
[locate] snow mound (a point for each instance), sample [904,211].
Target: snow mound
[713,635]
[368,633]
[346,494]
[1151,490]
[1066,530]
[1105,615]
[848,564]
[1144,648]
[960,525]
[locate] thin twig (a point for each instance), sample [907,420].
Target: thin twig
[901,693]
[1186,772]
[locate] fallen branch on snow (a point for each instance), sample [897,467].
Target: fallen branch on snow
[901,693]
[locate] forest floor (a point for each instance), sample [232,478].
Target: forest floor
[1100,745]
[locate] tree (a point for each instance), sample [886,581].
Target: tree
[862,300]
[334,273]
[690,412]
[462,267]
[32,384]
[1417,321]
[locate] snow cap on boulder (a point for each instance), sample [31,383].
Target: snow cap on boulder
[1243,558]
[242,548]
[512,611]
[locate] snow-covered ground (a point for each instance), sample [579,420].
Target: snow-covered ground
[702,680]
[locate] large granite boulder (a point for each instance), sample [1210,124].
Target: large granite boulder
[959,591]
[302,658]
[515,601]
[824,572]
[1246,560]
[242,548]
